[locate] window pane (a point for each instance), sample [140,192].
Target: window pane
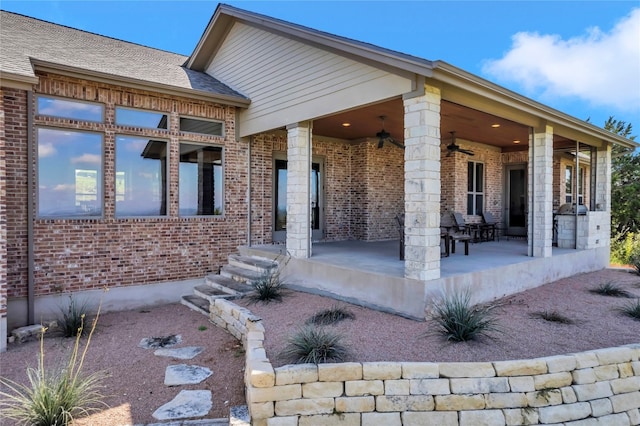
[205,127]
[141,177]
[479,204]
[568,180]
[69,173]
[470,173]
[479,177]
[470,204]
[200,180]
[137,118]
[67,108]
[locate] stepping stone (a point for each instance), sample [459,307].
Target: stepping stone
[188,403]
[183,374]
[187,352]
[239,416]
[160,342]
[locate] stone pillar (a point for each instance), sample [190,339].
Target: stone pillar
[422,185]
[603,178]
[540,228]
[298,190]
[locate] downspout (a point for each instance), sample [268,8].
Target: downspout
[31,314]
[577,195]
[309,165]
[249,193]
[532,202]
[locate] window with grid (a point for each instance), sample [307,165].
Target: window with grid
[475,188]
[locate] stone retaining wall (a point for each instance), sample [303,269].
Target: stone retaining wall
[600,387]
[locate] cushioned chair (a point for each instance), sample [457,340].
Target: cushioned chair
[471,229]
[455,232]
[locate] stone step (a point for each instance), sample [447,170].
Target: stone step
[211,293]
[228,285]
[257,264]
[196,303]
[242,275]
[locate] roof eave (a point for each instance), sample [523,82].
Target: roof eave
[450,74]
[70,71]
[17,81]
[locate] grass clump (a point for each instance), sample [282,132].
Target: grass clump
[315,345]
[71,319]
[331,316]
[610,289]
[632,309]
[459,321]
[269,287]
[54,396]
[552,316]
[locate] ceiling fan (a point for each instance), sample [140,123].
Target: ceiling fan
[452,147]
[384,136]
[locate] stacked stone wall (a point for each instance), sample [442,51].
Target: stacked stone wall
[600,387]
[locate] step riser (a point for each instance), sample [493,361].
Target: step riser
[194,307]
[211,299]
[262,266]
[241,275]
[221,287]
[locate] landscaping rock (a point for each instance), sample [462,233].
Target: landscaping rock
[160,342]
[179,353]
[188,403]
[183,374]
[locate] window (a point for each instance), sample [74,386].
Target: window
[581,173]
[205,127]
[139,118]
[568,184]
[475,188]
[69,173]
[200,186]
[141,177]
[71,109]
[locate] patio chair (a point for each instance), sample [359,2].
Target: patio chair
[490,228]
[454,232]
[471,229]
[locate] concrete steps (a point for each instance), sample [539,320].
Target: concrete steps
[234,281]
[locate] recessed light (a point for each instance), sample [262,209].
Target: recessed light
[346,124]
[495,126]
[516,141]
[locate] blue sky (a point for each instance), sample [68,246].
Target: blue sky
[581,57]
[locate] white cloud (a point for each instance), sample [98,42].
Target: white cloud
[65,187]
[87,158]
[600,68]
[46,149]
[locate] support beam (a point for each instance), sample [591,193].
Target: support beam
[422,185]
[540,228]
[298,190]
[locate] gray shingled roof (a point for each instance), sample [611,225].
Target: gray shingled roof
[23,38]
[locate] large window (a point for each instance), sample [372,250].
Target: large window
[569,182]
[141,177]
[71,109]
[200,190]
[69,173]
[475,188]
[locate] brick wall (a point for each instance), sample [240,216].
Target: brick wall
[3,223]
[79,254]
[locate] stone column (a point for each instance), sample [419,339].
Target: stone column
[298,190]
[422,185]
[540,215]
[603,178]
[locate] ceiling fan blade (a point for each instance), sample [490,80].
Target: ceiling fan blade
[380,143]
[396,143]
[466,151]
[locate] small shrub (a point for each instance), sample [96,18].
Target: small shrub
[54,396]
[610,289]
[72,317]
[634,261]
[632,309]
[331,316]
[202,328]
[315,345]
[552,316]
[269,287]
[460,321]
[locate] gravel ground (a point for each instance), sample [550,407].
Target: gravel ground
[135,384]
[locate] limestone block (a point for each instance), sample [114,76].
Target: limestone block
[565,412]
[219,322]
[305,407]
[459,402]
[378,419]
[634,416]
[429,387]
[299,373]
[530,367]
[553,380]
[283,421]
[520,416]
[255,335]
[592,391]
[615,355]
[545,397]
[629,384]
[615,419]
[586,360]
[482,418]
[467,369]
[322,389]
[625,401]
[506,400]
[521,384]
[606,372]
[261,410]
[404,403]
[261,374]
[625,370]
[254,326]
[568,395]
[344,419]
[584,422]
[420,370]
[560,363]
[635,365]
[396,387]
[355,404]
[480,385]
[601,407]
[340,372]
[381,370]
[275,393]
[583,376]
[257,422]
[440,418]
[364,387]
